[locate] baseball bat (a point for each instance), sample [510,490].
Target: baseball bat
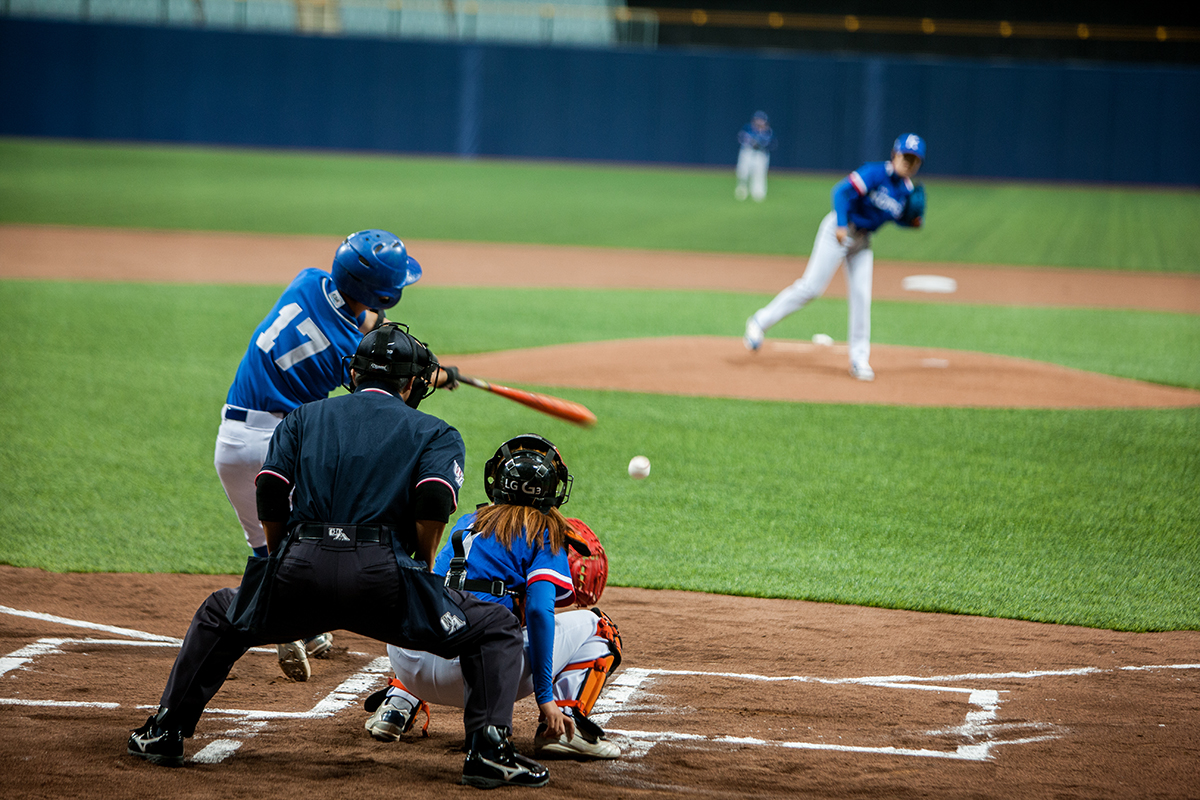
[547,404]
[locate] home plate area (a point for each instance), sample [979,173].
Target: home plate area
[948,717]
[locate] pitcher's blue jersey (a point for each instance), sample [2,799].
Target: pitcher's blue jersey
[295,353]
[871,196]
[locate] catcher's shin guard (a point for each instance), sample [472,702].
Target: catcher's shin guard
[597,669]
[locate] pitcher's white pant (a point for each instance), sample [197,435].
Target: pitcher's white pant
[240,452]
[827,254]
[752,169]
[439,680]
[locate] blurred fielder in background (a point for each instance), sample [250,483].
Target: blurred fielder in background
[875,193]
[757,141]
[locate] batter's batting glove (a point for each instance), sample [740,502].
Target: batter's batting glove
[451,382]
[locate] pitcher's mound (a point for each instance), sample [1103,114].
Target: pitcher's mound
[717,366]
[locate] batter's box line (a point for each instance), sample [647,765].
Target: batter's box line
[979,723]
[248,722]
[974,727]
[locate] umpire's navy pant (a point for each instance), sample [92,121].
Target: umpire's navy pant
[360,590]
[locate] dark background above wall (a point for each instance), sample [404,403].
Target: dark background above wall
[1021,120]
[1126,32]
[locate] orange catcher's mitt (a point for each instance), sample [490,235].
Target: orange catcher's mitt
[589,564]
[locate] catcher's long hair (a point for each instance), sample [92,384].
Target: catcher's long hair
[506,522]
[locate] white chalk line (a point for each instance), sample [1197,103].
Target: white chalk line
[75,623]
[975,726]
[617,698]
[249,721]
[979,723]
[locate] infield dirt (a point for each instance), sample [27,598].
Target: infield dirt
[717,697]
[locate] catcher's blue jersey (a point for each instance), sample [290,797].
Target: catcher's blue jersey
[295,353]
[871,196]
[488,559]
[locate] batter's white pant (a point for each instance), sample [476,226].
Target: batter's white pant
[439,680]
[240,452]
[827,254]
[752,169]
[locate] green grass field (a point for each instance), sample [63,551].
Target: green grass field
[558,203]
[109,392]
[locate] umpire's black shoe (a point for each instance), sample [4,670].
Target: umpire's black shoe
[492,761]
[156,744]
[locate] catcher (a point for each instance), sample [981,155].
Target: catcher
[521,552]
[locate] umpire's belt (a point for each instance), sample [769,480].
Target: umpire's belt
[339,535]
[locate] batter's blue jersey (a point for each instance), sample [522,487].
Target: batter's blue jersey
[488,559]
[295,354]
[870,196]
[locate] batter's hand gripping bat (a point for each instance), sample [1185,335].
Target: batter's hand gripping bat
[547,404]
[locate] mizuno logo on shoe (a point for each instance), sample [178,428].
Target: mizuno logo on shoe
[508,772]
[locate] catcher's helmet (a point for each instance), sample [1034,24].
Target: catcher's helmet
[527,471]
[391,352]
[373,267]
[910,143]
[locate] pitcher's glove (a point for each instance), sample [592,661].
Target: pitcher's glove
[914,209]
[589,563]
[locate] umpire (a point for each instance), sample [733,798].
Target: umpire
[372,483]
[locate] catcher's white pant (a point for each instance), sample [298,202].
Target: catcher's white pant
[827,254]
[752,170]
[439,680]
[240,452]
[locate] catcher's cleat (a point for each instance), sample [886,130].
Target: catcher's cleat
[588,743]
[319,645]
[492,761]
[293,660]
[394,718]
[753,337]
[156,744]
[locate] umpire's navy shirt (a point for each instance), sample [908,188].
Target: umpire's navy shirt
[357,458]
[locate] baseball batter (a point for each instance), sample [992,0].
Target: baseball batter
[514,552]
[876,193]
[757,141]
[294,357]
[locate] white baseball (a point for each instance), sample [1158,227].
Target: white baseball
[639,467]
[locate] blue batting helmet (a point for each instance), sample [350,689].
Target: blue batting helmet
[372,267]
[910,143]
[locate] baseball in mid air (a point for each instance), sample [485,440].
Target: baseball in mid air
[639,467]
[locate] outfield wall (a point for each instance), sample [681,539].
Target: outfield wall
[1039,121]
